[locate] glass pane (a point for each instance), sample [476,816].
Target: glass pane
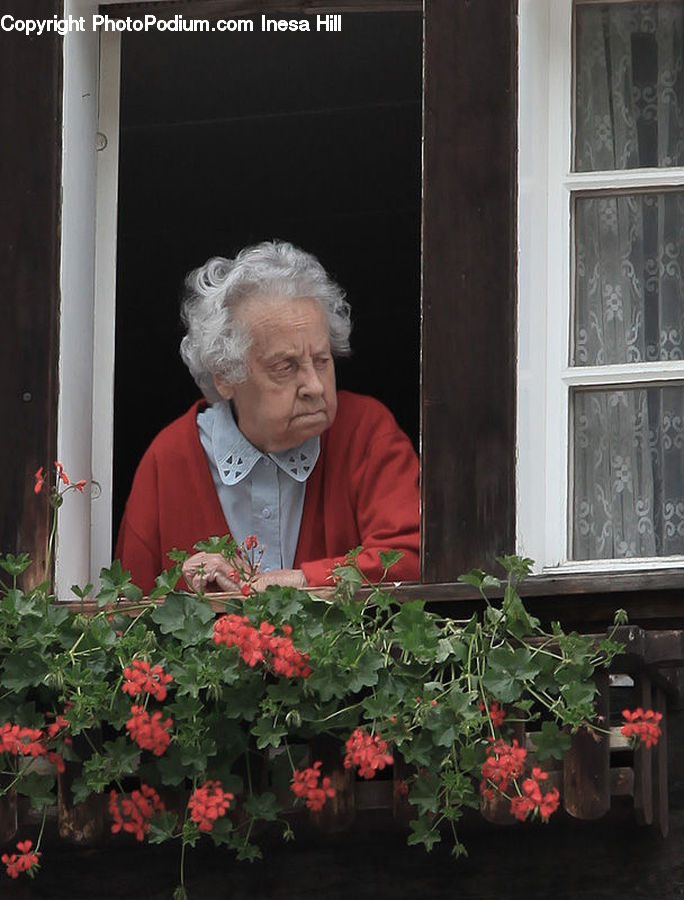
[629,85]
[628,473]
[629,279]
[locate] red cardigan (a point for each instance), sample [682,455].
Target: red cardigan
[362,491]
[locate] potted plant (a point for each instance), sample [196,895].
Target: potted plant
[220,700]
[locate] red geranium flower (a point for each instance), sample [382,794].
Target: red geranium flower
[305,783]
[261,644]
[141,678]
[533,800]
[148,731]
[495,712]
[504,761]
[132,814]
[40,481]
[61,474]
[368,752]
[208,803]
[24,861]
[21,741]
[642,725]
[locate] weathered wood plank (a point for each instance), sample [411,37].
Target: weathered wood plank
[643,760]
[660,773]
[586,767]
[339,811]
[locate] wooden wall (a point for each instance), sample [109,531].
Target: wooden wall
[30,160]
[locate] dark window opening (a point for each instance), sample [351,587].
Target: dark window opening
[229,139]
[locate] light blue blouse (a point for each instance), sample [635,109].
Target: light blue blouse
[261,494]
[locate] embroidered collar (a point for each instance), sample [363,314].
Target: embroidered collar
[236,457]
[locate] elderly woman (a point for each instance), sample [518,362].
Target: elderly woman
[273,449]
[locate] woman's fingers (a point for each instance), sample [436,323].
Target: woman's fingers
[203,569]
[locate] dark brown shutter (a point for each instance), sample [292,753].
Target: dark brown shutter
[469,285]
[30,175]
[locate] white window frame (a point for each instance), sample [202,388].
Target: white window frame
[90,147]
[547,187]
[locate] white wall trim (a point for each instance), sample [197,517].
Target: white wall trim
[533,129]
[77,264]
[87,288]
[105,297]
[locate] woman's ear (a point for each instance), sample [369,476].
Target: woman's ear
[225,390]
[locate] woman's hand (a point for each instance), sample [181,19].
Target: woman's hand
[283,577]
[207,572]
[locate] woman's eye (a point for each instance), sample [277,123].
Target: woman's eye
[284,368]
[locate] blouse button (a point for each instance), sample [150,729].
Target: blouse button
[266,513]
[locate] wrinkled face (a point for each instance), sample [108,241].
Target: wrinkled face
[289,394]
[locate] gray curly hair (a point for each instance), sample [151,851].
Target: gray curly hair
[216,343]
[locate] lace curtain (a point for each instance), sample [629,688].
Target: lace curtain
[628,464]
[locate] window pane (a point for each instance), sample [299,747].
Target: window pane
[629,281]
[628,473]
[629,85]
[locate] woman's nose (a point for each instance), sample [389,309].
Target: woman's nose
[310,383]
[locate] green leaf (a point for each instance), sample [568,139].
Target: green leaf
[350,579]
[579,695]
[551,742]
[221,833]
[15,565]
[112,582]
[520,622]
[329,681]
[416,631]
[22,670]
[474,577]
[517,566]
[389,558]
[26,605]
[248,852]
[501,686]
[190,833]
[187,618]
[283,603]
[443,725]
[508,671]
[423,832]
[421,750]
[38,788]
[171,767]
[267,733]
[518,663]
[166,582]
[178,556]
[224,545]
[262,806]
[425,793]
[162,827]
[242,700]
[365,671]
